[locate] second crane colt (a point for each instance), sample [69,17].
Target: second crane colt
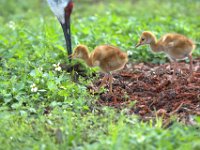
[177,46]
[108,58]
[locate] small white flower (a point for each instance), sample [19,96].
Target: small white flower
[40,69]
[45,74]
[34,88]
[62,87]
[57,67]
[11,25]
[129,53]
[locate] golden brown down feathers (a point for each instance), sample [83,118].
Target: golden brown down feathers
[108,58]
[177,46]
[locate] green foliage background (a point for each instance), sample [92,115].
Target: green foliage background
[31,41]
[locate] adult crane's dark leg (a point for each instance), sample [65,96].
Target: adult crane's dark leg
[67,33]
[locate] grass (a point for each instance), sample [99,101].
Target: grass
[62,114]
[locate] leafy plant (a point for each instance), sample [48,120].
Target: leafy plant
[42,108]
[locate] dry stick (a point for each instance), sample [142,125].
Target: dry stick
[186,95]
[177,109]
[192,111]
[198,96]
[172,113]
[162,85]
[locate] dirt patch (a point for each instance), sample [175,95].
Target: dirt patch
[149,86]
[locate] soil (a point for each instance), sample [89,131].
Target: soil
[147,90]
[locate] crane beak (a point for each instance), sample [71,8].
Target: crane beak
[67,34]
[137,45]
[71,56]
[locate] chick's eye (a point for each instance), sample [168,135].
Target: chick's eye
[142,39]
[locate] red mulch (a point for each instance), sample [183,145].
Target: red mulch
[150,87]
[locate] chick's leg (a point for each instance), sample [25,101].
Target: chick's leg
[191,65]
[110,83]
[175,70]
[105,78]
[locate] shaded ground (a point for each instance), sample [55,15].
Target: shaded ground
[150,87]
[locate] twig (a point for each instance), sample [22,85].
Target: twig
[177,109]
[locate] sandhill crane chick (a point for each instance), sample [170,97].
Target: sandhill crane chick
[177,46]
[108,58]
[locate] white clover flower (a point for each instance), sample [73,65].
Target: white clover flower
[40,69]
[45,75]
[129,53]
[34,88]
[57,67]
[62,87]
[11,25]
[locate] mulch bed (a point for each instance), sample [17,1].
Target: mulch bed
[146,90]
[149,86]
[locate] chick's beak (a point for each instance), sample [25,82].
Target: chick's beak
[138,44]
[71,56]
